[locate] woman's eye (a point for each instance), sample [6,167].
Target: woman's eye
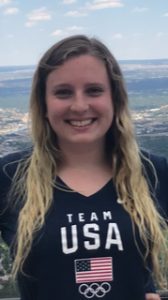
[94,91]
[63,93]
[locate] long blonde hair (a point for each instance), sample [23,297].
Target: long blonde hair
[36,183]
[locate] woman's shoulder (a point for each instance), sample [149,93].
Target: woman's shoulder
[150,160]
[10,161]
[155,168]
[15,156]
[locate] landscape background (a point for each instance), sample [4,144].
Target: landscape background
[147,85]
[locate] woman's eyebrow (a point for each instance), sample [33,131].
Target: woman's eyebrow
[94,83]
[62,85]
[57,87]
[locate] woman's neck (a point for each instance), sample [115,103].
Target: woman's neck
[85,169]
[87,156]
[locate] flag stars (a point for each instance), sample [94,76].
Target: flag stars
[83,265]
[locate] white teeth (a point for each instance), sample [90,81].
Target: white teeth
[81,123]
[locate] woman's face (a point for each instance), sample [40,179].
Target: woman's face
[79,101]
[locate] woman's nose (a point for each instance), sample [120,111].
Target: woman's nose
[79,103]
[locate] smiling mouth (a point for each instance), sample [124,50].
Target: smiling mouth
[81,123]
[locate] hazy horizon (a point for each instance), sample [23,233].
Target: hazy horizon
[119,60]
[131,29]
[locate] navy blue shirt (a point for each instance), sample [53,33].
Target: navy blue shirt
[86,248]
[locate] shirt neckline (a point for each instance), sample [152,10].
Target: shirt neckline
[63,186]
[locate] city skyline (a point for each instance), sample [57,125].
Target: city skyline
[132,29]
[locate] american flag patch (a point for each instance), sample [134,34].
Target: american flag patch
[93,269]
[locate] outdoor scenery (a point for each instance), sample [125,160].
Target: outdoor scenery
[147,84]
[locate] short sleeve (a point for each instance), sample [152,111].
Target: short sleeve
[5,183]
[7,216]
[159,187]
[9,207]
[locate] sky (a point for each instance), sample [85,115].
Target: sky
[132,29]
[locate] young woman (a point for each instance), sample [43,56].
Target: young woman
[84,210]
